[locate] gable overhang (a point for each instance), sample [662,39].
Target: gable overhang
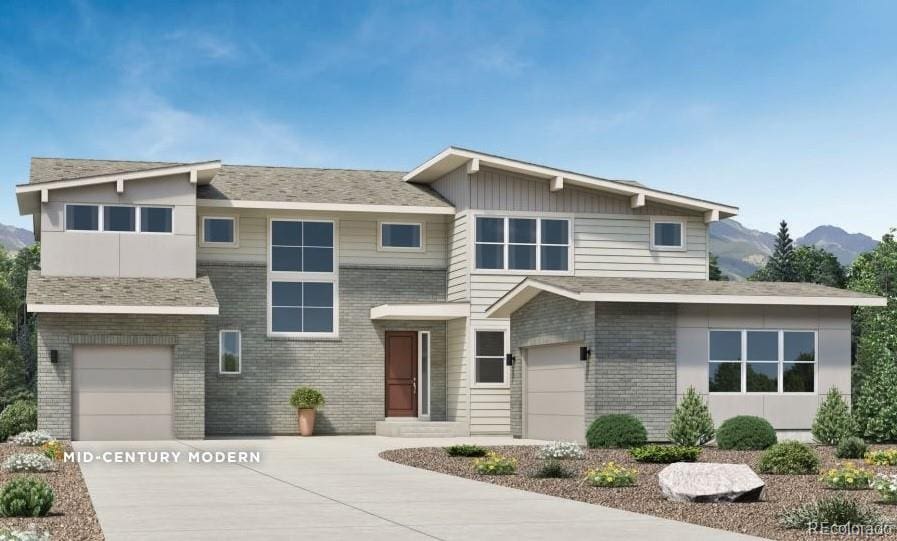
[453,157]
[30,196]
[528,289]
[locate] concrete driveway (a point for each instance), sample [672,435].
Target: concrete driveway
[337,488]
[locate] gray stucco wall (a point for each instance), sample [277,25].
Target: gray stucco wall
[784,412]
[62,332]
[349,370]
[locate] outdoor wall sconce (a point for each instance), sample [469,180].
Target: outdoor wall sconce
[54,356]
[509,359]
[585,353]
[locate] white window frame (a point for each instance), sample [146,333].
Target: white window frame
[420,364]
[221,369]
[211,244]
[780,362]
[136,218]
[664,220]
[140,219]
[291,276]
[506,243]
[65,218]
[423,238]
[506,378]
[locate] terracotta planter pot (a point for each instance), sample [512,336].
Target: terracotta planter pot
[306,422]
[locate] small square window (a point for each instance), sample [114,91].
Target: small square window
[229,352]
[120,219]
[219,230]
[667,235]
[82,217]
[155,219]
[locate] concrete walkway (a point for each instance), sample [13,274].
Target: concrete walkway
[338,488]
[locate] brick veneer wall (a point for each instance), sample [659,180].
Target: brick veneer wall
[62,332]
[349,370]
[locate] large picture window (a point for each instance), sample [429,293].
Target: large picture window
[762,361]
[302,278]
[522,244]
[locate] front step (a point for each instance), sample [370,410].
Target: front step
[420,429]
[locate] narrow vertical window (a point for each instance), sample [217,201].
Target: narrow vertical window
[229,352]
[424,373]
[490,357]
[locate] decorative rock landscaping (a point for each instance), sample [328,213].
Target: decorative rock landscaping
[703,483]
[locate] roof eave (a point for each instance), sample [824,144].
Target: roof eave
[37,308]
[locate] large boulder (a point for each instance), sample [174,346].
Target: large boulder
[709,483]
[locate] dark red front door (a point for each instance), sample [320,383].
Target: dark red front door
[401,374]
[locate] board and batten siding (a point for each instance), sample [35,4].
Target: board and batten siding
[458,287]
[357,238]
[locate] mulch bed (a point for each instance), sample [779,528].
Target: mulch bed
[72,515]
[758,519]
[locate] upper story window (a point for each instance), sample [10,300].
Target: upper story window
[82,217]
[302,295]
[401,236]
[118,218]
[121,219]
[219,231]
[667,234]
[762,361]
[155,219]
[522,244]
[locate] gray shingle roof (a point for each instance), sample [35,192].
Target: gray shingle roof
[675,286]
[261,183]
[110,291]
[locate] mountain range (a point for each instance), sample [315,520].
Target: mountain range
[742,250]
[15,238]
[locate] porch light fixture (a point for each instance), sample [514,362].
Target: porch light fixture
[585,353]
[509,359]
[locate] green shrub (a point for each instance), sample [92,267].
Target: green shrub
[465,450]
[552,469]
[885,457]
[665,454]
[25,497]
[745,433]
[833,421]
[831,511]
[691,423]
[852,447]
[847,477]
[495,464]
[875,400]
[53,450]
[20,416]
[886,486]
[616,430]
[306,398]
[610,475]
[789,458]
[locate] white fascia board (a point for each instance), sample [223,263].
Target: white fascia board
[326,207]
[200,167]
[424,312]
[122,309]
[527,290]
[450,158]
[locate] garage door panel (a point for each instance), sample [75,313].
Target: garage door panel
[123,403]
[123,380]
[125,427]
[556,427]
[561,380]
[133,358]
[554,403]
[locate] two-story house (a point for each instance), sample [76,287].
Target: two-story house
[473,295]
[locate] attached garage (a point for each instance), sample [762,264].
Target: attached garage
[122,393]
[554,395]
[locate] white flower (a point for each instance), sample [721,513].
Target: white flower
[31,439]
[561,449]
[28,462]
[19,535]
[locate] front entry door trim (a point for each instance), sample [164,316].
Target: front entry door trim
[401,373]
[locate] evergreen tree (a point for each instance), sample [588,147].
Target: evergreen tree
[691,423]
[780,267]
[818,266]
[833,421]
[715,273]
[875,406]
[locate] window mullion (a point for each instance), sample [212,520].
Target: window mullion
[744,362]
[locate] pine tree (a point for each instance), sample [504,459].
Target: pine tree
[780,267]
[715,273]
[691,423]
[833,421]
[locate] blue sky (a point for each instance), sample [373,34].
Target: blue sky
[787,109]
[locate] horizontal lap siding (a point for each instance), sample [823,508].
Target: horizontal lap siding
[490,411]
[456,376]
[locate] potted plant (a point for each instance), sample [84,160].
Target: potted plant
[306,400]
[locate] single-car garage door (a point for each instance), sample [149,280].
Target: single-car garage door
[555,397]
[122,393]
